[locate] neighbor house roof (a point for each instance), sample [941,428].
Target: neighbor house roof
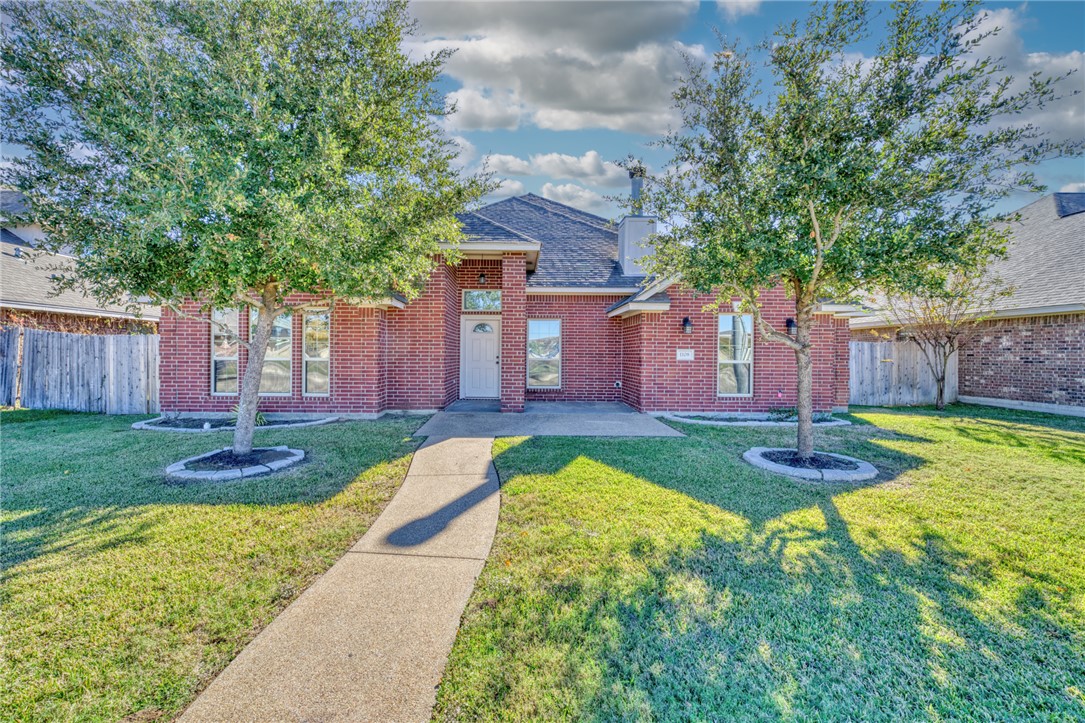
[1044,263]
[12,202]
[577,249]
[28,283]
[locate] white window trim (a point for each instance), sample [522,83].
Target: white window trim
[465,310]
[561,357]
[305,360]
[286,394]
[728,395]
[236,358]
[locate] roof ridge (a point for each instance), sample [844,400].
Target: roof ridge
[501,225]
[603,224]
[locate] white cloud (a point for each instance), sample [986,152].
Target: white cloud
[507,165]
[734,9]
[481,109]
[589,167]
[1063,118]
[606,65]
[507,187]
[467,151]
[1073,188]
[575,196]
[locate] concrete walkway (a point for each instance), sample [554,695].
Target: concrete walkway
[369,639]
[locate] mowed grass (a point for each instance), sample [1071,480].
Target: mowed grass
[664,579]
[124,594]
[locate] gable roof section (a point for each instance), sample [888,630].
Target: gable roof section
[1046,255]
[579,250]
[1068,204]
[28,284]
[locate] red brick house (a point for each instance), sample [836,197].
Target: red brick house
[548,303]
[1031,353]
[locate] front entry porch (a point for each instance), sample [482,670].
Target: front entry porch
[483,418]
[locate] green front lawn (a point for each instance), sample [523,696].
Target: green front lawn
[123,593]
[666,580]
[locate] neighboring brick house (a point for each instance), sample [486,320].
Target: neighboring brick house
[27,298]
[1031,354]
[548,303]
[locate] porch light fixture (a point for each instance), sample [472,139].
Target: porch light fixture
[687,326]
[791,327]
[482,279]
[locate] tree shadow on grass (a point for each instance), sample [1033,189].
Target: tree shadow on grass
[762,605]
[86,483]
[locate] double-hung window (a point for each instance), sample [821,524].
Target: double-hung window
[316,352]
[544,353]
[224,345]
[275,376]
[735,373]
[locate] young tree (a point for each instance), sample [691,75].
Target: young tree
[938,317]
[853,172]
[235,152]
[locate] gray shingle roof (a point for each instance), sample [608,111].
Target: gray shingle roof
[578,249]
[12,202]
[1046,254]
[26,282]
[1067,204]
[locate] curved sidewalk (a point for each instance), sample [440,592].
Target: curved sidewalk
[369,639]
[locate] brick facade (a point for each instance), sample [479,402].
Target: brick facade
[658,381]
[1031,359]
[410,358]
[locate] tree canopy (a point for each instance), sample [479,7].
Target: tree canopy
[850,170]
[207,149]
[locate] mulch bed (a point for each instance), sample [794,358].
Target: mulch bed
[789,458]
[217,423]
[228,460]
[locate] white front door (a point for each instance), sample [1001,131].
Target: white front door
[480,360]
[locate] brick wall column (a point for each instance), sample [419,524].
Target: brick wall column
[372,353]
[513,331]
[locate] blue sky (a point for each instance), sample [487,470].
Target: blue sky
[551,93]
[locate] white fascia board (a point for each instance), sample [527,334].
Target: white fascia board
[49,309]
[492,246]
[873,321]
[387,303]
[640,307]
[585,290]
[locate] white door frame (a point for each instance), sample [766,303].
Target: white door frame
[465,320]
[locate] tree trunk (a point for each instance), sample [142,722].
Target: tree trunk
[804,321]
[249,394]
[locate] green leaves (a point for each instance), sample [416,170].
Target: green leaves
[207,149]
[851,171]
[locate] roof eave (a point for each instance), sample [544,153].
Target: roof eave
[634,308]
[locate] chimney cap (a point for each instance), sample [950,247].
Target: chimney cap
[637,171]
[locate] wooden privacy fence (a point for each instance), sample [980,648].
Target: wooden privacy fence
[110,373]
[895,373]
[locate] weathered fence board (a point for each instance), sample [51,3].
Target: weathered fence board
[110,373]
[9,365]
[895,373]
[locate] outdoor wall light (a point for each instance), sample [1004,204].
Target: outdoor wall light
[687,326]
[482,279]
[791,327]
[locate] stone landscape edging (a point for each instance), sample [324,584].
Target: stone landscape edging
[177,469]
[866,470]
[149,424]
[750,422]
